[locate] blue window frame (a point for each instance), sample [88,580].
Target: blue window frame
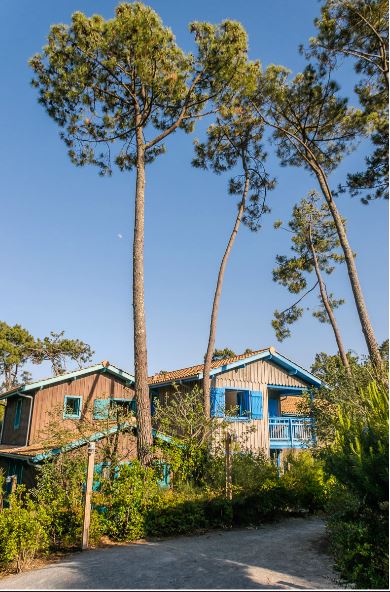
[72,407]
[18,414]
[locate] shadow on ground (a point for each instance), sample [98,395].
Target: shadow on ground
[288,555]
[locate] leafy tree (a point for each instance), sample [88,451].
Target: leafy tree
[358,29]
[220,354]
[315,246]
[342,388]
[233,142]
[314,128]
[119,88]
[56,349]
[16,345]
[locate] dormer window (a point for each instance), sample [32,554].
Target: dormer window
[72,407]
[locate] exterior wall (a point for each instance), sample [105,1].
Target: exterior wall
[49,402]
[255,377]
[11,435]
[167,392]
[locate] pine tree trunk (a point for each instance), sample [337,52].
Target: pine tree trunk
[328,308]
[365,322]
[144,421]
[217,298]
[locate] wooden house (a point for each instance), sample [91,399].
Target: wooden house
[80,396]
[257,390]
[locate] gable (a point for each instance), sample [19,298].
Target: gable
[50,399]
[104,368]
[259,372]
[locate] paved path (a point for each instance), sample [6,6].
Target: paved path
[286,556]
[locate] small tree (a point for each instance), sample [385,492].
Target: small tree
[57,349]
[314,128]
[315,246]
[16,344]
[220,354]
[233,141]
[358,29]
[119,88]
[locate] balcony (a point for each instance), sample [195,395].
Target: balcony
[290,432]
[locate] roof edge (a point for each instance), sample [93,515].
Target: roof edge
[69,376]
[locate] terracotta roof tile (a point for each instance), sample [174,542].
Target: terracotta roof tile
[193,371]
[31,450]
[290,406]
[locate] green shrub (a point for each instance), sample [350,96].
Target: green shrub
[358,506]
[175,513]
[23,531]
[358,539]
[126,501]
[60,490]
[251,472]
[258,507]
[304,481]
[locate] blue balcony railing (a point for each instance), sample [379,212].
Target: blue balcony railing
[290,432]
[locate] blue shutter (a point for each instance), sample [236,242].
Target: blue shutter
[217,402]
[101,408]
[257,404]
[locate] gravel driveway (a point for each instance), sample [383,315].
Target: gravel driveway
[287,555]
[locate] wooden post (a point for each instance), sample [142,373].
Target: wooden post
[228,467]
[14,482]
[88,494]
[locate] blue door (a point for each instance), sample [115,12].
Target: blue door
[273,408]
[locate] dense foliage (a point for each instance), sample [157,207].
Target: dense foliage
[358,508]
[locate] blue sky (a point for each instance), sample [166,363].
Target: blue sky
[66,232]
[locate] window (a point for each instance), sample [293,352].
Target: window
[18,413]
[72,407]
[237,403]
[113,408]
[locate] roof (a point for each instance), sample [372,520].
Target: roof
[218,366]
[104,367]
[193,371]
[290,406]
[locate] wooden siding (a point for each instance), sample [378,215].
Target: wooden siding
[49,401]
[257,373]
[251,435]
[11,435]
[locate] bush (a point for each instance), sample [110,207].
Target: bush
[358,506]
[126,501]
[251,472]
[60,490]
[305,482]
[23,531]
[358,539]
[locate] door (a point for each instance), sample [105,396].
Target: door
[273,407]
